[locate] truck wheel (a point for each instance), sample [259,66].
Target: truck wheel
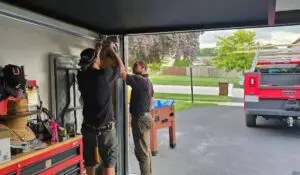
[250,120]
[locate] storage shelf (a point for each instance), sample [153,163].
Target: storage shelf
[23,114]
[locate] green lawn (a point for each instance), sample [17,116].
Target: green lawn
[187,97]
[185,80]
[182,105]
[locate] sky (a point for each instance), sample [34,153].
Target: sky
[274,35]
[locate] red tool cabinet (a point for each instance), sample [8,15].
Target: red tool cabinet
[64,158]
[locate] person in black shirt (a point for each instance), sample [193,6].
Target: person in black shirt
[98,128]
[140,106]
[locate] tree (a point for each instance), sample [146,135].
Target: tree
[140,47]
[206,52]
[155,48]
[188,44]
[235,52]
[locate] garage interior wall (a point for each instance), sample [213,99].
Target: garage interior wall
[29,45]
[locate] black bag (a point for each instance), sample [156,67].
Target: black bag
[42,130]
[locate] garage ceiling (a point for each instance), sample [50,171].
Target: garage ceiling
[145,16]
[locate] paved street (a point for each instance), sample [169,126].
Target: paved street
[215,141]
[237,92]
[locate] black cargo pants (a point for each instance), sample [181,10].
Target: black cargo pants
[107,145]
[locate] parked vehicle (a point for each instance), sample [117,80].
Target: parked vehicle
[272,89]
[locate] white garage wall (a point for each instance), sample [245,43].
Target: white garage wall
[286,5]
[29,45]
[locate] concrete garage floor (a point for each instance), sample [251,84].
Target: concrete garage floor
[215,141]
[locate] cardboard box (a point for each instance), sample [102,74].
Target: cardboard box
[5,154]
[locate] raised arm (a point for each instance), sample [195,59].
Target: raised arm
[118,60]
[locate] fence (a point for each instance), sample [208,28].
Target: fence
[174,71]
[200,71]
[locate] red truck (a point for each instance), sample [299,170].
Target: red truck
[272,88]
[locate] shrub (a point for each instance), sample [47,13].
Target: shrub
[154,67]
[181,63]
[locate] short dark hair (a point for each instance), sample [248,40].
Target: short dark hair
[140,62]
[86,56]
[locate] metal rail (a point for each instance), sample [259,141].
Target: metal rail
[271,54]
[45,22]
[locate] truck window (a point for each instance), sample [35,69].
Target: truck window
[278,69]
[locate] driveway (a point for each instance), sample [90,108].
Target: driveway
[237,92]
[215,141]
